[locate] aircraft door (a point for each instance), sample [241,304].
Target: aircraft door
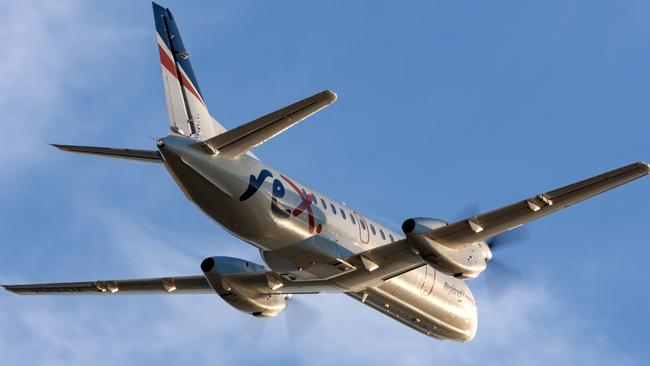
[364,230]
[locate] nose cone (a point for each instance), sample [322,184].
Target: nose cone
[472,325]
[472,328]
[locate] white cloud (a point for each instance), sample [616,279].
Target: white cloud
[47,47]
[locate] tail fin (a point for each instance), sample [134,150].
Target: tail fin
[188,114]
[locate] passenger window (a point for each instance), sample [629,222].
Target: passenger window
[322,201]
[391,238]
[343,214]
[382,234]
[354,222]
[333,208]
[372,228]
[314,200]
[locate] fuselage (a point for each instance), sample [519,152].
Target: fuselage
[299,232]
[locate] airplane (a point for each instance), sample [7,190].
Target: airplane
[309,242]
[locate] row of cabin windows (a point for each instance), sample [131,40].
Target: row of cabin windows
[354,221]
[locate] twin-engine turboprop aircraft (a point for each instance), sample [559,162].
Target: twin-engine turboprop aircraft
[310,242]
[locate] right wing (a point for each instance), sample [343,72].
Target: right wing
[359,271]
[238,141]
[484,226]
[166,285]
[259,281]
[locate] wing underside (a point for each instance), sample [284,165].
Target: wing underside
[164,285]
[484,226]
[368,269]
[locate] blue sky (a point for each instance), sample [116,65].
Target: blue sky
[442,105]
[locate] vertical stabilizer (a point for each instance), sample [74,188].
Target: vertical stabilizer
[188,114]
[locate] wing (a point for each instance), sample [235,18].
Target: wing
[262,282]
[238,141]
[165,285]
[483,226]
[356,272]
[374,266]
[150,156]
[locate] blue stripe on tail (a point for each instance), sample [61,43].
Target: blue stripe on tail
[168,31]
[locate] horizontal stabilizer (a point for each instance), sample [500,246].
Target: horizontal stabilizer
[238,141]
[151,156]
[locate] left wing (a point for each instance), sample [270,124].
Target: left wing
[484,226]
[374,266]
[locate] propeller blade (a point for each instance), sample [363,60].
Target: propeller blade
[301,317]
[500,278]
[508,238]
[466,212]
[254,327]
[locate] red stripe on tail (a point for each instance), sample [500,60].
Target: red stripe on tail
[167,62]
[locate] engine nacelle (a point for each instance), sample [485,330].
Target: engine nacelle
[466,262]
[250,295]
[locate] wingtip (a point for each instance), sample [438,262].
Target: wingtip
[331,95]
[646,164]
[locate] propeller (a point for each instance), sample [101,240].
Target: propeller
[300,317]
[508,238]
[499,275]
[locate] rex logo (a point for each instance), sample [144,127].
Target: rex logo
[277,192]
